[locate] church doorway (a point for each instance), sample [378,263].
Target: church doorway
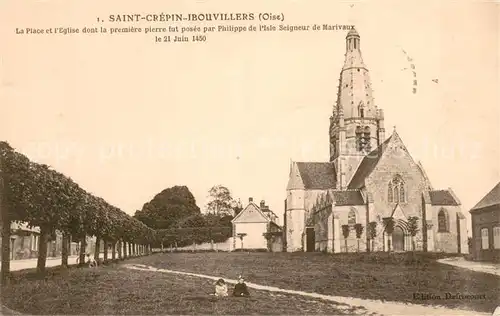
[310,239]
[398,239]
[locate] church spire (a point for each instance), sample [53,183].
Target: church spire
[355,98]
[356,125]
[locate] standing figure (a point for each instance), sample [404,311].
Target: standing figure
[240,289]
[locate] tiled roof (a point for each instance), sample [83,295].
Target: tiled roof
[317,175]
[349,197]
[490,199]
[442,197]
[367,165]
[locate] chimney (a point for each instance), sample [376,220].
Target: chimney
[262,204]
[250,199]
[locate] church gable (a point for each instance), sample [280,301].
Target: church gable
[294,181]
[251,214]
[396,179]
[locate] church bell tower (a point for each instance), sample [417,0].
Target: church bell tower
[356,125]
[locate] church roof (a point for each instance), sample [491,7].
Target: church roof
[367,165]
[490,199]
[443,197]
[349,197]
[317,175]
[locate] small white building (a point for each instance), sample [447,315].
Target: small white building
[257,222]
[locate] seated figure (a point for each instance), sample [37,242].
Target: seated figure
[240,289]
[221,288]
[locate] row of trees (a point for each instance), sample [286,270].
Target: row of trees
[40,196]
[389,224]
[179,222]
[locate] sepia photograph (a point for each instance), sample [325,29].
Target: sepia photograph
[216,157]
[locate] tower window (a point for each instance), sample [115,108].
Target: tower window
[359,138]
[366,136]
[355,45]
[363,138]
[362,112]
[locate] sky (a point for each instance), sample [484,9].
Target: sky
[126,117]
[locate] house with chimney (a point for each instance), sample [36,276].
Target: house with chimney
[257,227]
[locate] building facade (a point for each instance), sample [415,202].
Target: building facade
[259,228]
[25,243]
[486,227]
[370,181]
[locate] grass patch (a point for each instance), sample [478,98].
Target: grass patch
[114,290]
[381,276]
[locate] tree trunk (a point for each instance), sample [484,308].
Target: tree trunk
[346,245]
[65,249]
[413,243]
[125,254]
[97,249]
[42,249]
[106,246]
[389,243]
[358,244]
[130,254]
[5,223]
[120,249]
[83,248]
[113,249]
[372,245]
[5,242]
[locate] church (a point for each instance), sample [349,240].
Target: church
[371,195]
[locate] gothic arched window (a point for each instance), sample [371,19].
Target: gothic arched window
[442,221]
[351,217]
[390,195]
[359,138]
[396,190]
[366,137]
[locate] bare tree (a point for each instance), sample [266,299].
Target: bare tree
[241,236]
[221,202]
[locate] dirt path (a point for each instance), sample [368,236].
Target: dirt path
[373,306]
[485,267]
